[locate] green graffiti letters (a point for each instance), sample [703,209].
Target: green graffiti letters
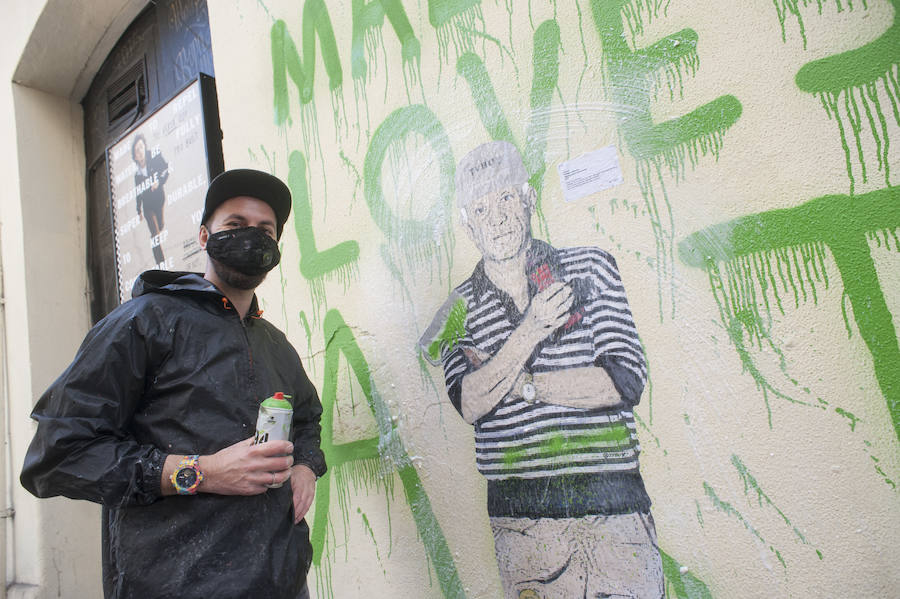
[546,75]
[847,85]
[419,240]
[762,250]
[632,78]
[371,462]
[287,62]
[339,261]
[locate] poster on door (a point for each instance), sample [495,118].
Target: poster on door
[158,174]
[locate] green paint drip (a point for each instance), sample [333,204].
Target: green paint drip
[792,7]
[699,513]
[847,85]
[680,582]
[632,78]
[453,20]
[838,221]
[544,82]
[310,364]
[368,19]
[728,509]
[751,484]
[420,241]
[339,262]
[368,463]
[395,271]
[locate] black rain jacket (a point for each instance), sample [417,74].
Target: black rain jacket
[176,371]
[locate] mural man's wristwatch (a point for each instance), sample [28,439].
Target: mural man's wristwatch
[187,476]
[527,390]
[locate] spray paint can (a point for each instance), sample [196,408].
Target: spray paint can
[274,421]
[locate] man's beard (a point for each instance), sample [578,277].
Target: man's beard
[235,278]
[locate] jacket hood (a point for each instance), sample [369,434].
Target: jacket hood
[165,281]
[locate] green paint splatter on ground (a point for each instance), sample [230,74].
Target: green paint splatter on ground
[750,484]
[728,509]
[632,78]
[848,86]
[680,582]
[792,241]
[544,82]
[369,463]
[419,241]
[792,7]
[338,262]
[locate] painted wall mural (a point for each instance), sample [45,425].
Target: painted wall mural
[730,166]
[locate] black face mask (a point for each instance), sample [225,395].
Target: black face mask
[248,250]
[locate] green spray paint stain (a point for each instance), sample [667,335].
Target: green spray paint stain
[454,329]
[546,76]
[853,419]
[848,86]
[338,262]
[840,222]
[370,462]
[419,241]
[455,21]
[728,509]
[750,484]
[632,78]
[680,582]
[311,364]
[792,7]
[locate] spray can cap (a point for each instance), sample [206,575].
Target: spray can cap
[278,395]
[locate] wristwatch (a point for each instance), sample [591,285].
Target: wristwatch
[187,476]
[527,390]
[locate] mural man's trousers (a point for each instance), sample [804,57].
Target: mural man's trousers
[593,556]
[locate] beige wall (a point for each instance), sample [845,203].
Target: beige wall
[772,461]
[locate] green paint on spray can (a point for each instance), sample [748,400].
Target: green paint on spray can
[274,422]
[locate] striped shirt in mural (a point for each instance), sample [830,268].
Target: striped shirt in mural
[518,439]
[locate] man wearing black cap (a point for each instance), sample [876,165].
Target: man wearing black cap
[155,417]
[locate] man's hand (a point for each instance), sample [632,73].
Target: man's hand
[303,486]
[242,468]
[549,310]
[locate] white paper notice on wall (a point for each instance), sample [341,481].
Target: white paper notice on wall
[590,173]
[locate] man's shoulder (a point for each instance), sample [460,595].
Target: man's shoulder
[586,253]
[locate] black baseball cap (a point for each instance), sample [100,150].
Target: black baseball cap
[253,183]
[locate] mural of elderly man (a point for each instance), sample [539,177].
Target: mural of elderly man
[540,354]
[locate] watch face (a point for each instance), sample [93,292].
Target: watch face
[529,392]
[186,477]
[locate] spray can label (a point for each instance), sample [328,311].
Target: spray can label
[274,420]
